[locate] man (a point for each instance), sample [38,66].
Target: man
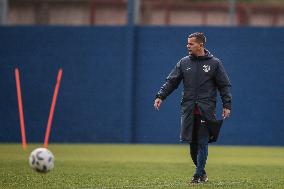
[202,75]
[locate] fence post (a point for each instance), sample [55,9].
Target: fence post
[132,18]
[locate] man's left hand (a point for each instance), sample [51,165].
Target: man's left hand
[226,113]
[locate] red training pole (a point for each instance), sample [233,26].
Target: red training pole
[21,112]
[59,75]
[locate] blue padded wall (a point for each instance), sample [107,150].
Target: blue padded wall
[91,95]
[94,91]
[253,58]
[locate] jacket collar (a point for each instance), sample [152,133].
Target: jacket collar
[207,55]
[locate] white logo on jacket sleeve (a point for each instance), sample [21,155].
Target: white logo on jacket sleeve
[188,68]
[206,68]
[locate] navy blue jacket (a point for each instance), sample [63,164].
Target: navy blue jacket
[202,77]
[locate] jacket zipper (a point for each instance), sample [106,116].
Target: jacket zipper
[197,81]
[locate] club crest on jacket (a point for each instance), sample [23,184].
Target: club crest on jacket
[206,68]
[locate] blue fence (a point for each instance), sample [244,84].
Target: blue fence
[94,97]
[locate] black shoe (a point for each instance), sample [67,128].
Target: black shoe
[195,180]
[204,178]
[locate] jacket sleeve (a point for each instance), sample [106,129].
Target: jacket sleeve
[223,84]
[172,82]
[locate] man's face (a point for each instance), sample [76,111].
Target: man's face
[193,46]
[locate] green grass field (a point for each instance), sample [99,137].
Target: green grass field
[142,166]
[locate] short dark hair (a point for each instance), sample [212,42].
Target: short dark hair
[200,37]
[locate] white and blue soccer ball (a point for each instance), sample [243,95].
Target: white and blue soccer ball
[41,160]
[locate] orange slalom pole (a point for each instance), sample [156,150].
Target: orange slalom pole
[21,112]
[59,75]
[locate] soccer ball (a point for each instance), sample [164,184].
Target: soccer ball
[41,160]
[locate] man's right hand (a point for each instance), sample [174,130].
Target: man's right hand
[157,103]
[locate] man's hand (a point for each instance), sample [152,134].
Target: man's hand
[157,103]
[226,113]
